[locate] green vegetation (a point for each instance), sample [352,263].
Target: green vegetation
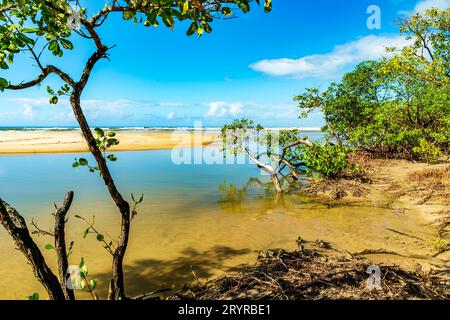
[286,150]
[329,160]
[397,106]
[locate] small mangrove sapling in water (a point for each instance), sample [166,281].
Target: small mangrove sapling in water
[271,152]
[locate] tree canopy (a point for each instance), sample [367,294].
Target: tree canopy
[398,105]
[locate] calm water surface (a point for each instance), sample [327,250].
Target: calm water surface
[214,218]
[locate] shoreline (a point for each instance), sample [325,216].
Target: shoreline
[71,141]
[406,187]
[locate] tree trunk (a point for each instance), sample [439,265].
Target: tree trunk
[60,245]
[276,183]
[15,224]
[117,288]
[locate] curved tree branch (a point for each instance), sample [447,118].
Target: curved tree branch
[46,71]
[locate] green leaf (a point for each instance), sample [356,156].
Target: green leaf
[268,6]
[75,164]
[112,142]
[111,134]
[100,237]
[30,30]
[3,84]
[25,39]
[200,31]
[83,162]
[53,46]
[111,157]
[185,7]
[168,20]
[50,91]
[152,16]
[243,5]
[84,270]
[93,283]
[66,44]
[49,246]
[192,29]
[127,15]
[227,11]
[100,133]
[34,296]
[207,27]
[53,100]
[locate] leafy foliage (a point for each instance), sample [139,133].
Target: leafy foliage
[34,296]
[328,159]
[104,141]
[397,106]
[284,148]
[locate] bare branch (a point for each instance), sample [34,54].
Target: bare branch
[15,224]
[46,71]
[60,244]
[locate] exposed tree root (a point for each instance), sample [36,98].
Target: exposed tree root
[317,272]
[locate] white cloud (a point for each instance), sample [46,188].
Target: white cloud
[170,115]
[331,64]
[172,104]
[262,111]
[38,102]
[221,109]
[27,112]
[424,5]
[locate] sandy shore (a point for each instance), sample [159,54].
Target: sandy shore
[42,141]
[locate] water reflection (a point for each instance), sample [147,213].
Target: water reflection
[211,217]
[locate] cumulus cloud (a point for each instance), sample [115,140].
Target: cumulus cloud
[95,109]
[172,104]
[221,109]
[331,64]
[424,5]
[27,112]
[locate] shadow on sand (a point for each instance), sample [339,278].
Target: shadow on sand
[151,274]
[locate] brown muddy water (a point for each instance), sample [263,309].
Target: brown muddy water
[209,218]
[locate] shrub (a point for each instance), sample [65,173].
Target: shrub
[328,159]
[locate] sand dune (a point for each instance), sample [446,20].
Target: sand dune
[44,141]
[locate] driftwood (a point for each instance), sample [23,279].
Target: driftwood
[16,226]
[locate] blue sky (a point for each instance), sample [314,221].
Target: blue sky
[247,67]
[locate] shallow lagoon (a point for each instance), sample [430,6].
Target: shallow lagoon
[211,218]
